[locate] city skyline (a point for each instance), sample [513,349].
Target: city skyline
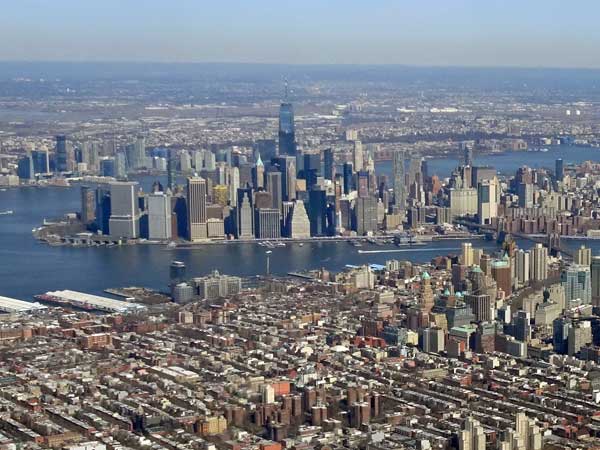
[462,33]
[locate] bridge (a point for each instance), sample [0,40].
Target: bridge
[552,241]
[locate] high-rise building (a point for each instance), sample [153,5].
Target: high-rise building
[120,165]
[595,275]
[472,436]
[526,435]
[196,206]
[467,254]
[124,210]
[538,260]
[171,168]
[523,267]
[41,161]
[25,169]
[463,202]
[268,223]
[245,222]
[258,173]
[88,205]
[210,161]
[159,216]
[482,306]
[299,223]
[287,131]
[140,151]
[487,200]
[358,159]
[399,181]
[559,170]
[577,282]
[274,187]
[347,179]
[583,256]
[525,193]
[317,212]
[365,212]
[65,156]
[328,164]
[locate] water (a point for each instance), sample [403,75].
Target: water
[508,163]
[28,267]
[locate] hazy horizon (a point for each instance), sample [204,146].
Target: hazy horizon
[432,33]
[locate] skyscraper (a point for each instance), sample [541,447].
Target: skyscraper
[274,187]
[487,200]
[577,282]
[399,186]
[140,151]
[347,181]
[88,205]
[328,164]
[245,221]
[171,166]
[583,257]
[559,170]
[196,201]
[595,274]
[472,437]
[268,223]
[159,216]
[365,211]
[358,159]
[538,262]
[64,154]
[317,212]
[287,132]
[299,223]
[124,210]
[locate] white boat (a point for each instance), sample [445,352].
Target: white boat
[6,213]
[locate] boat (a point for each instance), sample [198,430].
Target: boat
[6,213]
[543,150]
[301,244]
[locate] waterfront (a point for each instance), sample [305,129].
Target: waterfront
[28,267]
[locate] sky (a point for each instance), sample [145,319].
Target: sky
[524,33]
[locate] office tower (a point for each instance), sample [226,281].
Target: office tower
[595,275]
[171,168]
[560,335]
[299,223]
[263,199]
[522,326]
[120,165]
[65,157]
[274,187]
[25,169]
[583,257]
[538,260]
[577,282]
[103,209]
[159,216]
[317,212]
[210,161]
[525,193]
[559,170]
[185,161]
[347,180]
[365,212]
[88,205]
[287,133]
[132,157]
[328,164]
[501,273]
[472,436]
[41,161]
[482,306]
[268,223]
[398,176]
[487,200]
[362,183]
[245,220]
[124,210]
[414,170]
[432,340]
[463,202]
[523,267]
[287,166]
[580,335]
[358,159]
[259,173]
[468,156]
[467,254]
[234,184]
[108,167]
[196,206]
[140,152]
[481,173]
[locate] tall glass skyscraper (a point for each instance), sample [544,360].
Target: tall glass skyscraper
[399,182]
[287,132]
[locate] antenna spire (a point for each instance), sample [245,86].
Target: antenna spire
[285,84]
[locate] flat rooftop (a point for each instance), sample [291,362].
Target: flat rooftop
[101,303]
[12,305]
